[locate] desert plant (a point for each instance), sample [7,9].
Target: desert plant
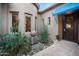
[15,44]
[44,35]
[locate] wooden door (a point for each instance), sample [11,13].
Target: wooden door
[70,27]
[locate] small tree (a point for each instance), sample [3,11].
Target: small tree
[44,35]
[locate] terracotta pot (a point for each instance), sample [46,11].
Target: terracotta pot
[33,33]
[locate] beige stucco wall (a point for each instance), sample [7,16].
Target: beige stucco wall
[22,9]
[4,18]
[39,23]
[53,26]
[0,20]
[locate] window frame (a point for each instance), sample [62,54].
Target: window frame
[28,15]
[15,14]
[49,20]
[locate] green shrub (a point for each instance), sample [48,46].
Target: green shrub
[43,36]
[15,44]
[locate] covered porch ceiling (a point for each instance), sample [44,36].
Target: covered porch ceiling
[69,7]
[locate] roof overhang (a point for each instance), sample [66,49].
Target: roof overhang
[36,5]
[51,8]
[66,8]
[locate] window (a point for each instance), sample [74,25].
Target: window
[49,20]
[35,21]
[28,24]
[14,19]
[43,21]
[35,17]
[15,22]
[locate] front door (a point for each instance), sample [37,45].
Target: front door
[70,30]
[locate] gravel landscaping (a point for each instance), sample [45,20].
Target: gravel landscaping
[39,46]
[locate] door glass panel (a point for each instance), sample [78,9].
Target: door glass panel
[68,25]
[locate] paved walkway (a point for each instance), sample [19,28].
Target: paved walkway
[60,48]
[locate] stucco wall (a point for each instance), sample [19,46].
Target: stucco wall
[0,20]
[39,23]
[6,16]
[53,26]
